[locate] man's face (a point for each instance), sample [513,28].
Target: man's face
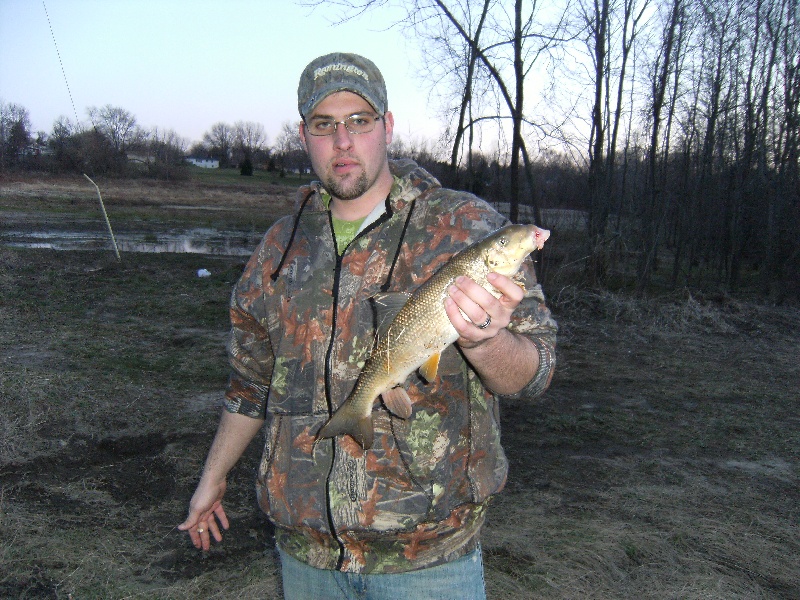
[348,164]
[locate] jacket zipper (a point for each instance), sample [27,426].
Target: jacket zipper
[329,368]
[329,399]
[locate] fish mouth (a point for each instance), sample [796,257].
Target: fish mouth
[540,236]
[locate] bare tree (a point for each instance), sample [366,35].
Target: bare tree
[15,132]
[759,56]
[250,137]
[783,259]
[166,146]
[605,27]
[289,149]
[517,41]
[514,37]
[460,61]
[219,141]
[652,209]
[64,143]
[683,113]
[117,125]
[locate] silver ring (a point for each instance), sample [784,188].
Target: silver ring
[485,324]
[200,530]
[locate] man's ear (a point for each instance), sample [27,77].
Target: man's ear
[388,123]
[303,135]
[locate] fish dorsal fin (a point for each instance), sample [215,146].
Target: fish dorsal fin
[430,367]
[398,402]
[386,306]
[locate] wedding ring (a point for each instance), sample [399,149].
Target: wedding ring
[485,324]
[200,530]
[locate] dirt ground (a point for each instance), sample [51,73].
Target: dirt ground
[662,463]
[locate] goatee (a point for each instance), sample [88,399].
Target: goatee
[338,189]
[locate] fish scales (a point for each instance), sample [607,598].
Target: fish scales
[421,330]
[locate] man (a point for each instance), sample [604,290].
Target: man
[401,519]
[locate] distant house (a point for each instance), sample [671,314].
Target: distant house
[136,157]
[206,163]
[35,149]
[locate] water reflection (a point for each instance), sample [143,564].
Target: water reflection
[194,241]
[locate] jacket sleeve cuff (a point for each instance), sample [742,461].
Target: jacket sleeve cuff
[544,375]
[246,398]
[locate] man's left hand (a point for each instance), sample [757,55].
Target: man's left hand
[486,315]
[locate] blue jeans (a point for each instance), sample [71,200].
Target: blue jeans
[461,579]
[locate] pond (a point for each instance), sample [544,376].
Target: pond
[17,231]
[195,241]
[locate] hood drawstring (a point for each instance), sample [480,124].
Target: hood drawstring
[385,286]
[275,275]
[296,224]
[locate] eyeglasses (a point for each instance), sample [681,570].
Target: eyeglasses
[356,124]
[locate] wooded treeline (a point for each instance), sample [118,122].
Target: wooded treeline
[682,117]
[113,143]
[674,124]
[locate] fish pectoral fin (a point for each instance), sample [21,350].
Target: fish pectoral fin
[430,367]
[346,423]
[398,402]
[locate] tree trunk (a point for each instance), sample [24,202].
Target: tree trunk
[652,217]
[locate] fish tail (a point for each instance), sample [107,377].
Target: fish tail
[345,422]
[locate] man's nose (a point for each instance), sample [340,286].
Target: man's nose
[341,137]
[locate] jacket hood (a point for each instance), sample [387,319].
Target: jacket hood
[410,182]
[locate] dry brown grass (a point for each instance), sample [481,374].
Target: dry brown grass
[662,463]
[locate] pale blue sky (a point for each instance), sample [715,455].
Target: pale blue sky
[185,65]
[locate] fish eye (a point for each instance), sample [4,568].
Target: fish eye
[503,241]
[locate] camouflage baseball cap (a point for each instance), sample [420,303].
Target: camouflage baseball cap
[340,72]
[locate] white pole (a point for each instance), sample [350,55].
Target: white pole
[105,214]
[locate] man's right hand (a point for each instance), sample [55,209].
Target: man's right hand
[206,514]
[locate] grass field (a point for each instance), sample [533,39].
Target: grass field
[662,463]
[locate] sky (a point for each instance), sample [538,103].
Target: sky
[188,64]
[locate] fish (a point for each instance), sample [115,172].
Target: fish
[421,330]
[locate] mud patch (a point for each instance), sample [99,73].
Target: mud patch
[36,586]
[128,469]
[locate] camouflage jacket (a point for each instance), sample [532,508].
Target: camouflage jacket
[302,327]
